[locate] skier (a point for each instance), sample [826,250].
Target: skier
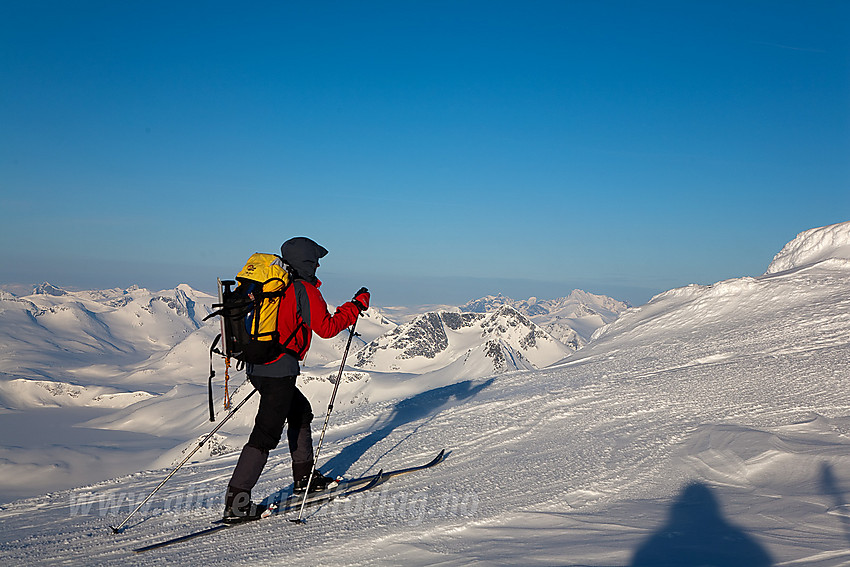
[302,311]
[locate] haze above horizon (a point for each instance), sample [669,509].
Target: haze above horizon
[442,151]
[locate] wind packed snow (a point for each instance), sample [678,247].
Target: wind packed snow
[710,426]
[828,243]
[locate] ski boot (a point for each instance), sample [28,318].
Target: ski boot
[320,482]
[239,508]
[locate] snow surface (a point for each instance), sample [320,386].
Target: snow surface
[710,426]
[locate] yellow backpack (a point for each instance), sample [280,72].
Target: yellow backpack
[249,315]
[249,312]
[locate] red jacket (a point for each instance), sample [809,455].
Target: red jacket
[304,311]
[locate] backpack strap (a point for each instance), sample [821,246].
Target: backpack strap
[302,305]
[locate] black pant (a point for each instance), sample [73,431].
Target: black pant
[281,403]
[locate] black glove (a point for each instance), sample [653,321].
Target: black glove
[361,299]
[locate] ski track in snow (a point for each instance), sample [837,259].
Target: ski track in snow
[714,416]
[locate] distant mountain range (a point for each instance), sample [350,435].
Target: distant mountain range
[571,320]
[140,337]
[475,344]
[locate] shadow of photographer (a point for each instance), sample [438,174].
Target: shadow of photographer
[696,534]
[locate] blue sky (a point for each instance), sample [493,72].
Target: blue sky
[440,150]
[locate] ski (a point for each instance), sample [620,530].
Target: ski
[345,489]
[193,535]
[219,525]
[293,501]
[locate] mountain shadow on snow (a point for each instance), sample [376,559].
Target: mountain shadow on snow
[697,535]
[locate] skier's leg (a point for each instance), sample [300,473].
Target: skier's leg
[275,400]
[238,498]
[300,436]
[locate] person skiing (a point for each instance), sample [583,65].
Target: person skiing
[303,311]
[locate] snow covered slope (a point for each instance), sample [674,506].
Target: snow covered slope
[710,426]
[101,363]
[58,335]
[67,358]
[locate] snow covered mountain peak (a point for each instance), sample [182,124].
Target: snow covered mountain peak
[482,343]
[813,246]
[571,320]
[49,289]
[486,303]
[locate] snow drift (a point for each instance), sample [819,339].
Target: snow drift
[830,243]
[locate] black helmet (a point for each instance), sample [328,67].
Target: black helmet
[302,255]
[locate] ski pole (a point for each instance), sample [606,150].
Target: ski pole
[325,426]
[119,528]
